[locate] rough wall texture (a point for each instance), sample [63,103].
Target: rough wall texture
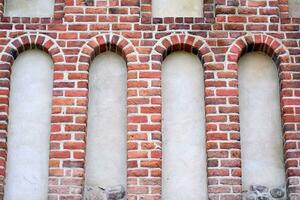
[106,131]
[229,28]
[260,119]
[260,122]
[179,8]
[28,8]
[183,128]
[29,126]
[294,7]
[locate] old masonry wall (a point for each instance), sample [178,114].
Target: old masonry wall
[217,119]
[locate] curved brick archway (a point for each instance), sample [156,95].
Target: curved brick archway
[265,43]
[107,42]
[15,47]
[280,55]
[31,41]
[198,46]
[182,42]
[123,47]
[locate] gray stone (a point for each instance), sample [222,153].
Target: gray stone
[263,198]
[94,193]
[261,192]
[277,193]
[251,196]
[99,193]
[259,188]
[115,193]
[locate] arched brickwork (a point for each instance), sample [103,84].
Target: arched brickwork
[15,47]
[277,51]
[31,41]
[265,43]
[107,42]
[123,47]
[198,46]
[181,42]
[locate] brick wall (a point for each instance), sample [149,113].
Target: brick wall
[77,33]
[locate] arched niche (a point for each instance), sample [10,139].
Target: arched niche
[106,150]
[29,126]
[260,122]
[184,165]
[32,8]
[177,8]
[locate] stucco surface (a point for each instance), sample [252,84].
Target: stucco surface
[107,122]
[177,8]
[294,8]
[29,127]
[260,121]
[29,8]
[183,136]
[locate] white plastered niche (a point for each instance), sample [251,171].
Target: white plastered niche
[260,122]
[184,166]
[29,126]
[106,151]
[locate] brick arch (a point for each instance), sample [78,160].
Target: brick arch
[265,43]
[280,55]
[182,42]
[91,49]
[11,51]
[188,43]
[107,42]
[31,41]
